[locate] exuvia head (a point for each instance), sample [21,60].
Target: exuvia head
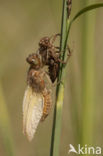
[44,42]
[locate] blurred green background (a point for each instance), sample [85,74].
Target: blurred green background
[22,24]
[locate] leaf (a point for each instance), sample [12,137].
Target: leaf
[82,11]
[88,8]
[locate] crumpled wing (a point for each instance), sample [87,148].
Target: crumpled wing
[32,112]
[26,101]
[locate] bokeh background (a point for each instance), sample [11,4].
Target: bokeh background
[22,24]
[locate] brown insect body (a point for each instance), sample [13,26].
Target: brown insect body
[35,80]
[35,74]
[50,56]
[53,67]
[44,46]
[37,99]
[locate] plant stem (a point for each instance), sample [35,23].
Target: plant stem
[56,131]
[88,78]
[65,28]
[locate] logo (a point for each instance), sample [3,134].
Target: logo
[84,149]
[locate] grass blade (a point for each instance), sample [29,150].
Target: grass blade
[56,131]
[88,72]
[88,8]
[81,12]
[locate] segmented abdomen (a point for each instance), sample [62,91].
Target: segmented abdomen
[53,71]
[47,104]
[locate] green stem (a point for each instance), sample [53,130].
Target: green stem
[88,84]
[56,131]
[65,29]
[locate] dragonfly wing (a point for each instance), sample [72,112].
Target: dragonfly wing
[26,101]
[33,113]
